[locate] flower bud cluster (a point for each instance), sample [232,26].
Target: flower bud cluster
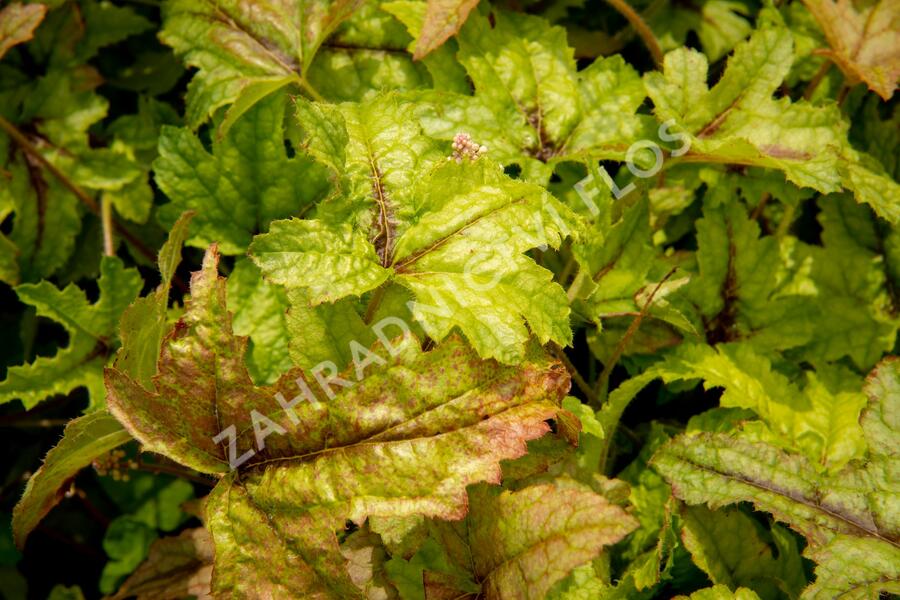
[465,147]
[114,465]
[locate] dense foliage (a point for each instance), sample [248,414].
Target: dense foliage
[445,299]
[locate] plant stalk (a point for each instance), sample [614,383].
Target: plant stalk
[310,90]
[603,381]
[642,29]
[817,79]
[106,218]
[580,382]
[85,199]
[374,303]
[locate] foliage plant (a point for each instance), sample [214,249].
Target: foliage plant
[570,299]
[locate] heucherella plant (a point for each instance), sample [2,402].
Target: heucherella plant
[440,299]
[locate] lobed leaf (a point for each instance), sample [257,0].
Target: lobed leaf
[231,189]
[238,46]
[738,122]
[820,420]
[852,509]
[447,231]
[531,107]
[851,567]
[721,469]
[92,335]
[739,290]
[853,277]
[259,313]
[459,414]
[143,323]
[729,546]
[719,24]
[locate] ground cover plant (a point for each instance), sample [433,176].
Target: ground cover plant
[406,299]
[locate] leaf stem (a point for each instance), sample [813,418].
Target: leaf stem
[787,219]
[817,79]
[28,147]
[603,380]
[175,471]
[580,382]
[641,27]
[85,199]
[310,90]
[106,221]
[763,200]
[374,303]
[843,93]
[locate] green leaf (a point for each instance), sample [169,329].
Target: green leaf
[366,55]
[412,405]
[618,258]
[126,542]
[623,273]
[325,332]
[61,592]
[582,583]
[143,323]
[822,420]
[721,469]
[375,153]
[719,24]
[54,103]
[738,122]
[649,498]
[18,22]
[106,24]
[855,278]
[130,536]
[853,509]
[259,313]
[728,545]
[448,231]
[92,336]
[329,263]
[84,439]
[530,106]
[408,576]
[237,45]
[135,136]
[43,210]
[739,292]
[850,567]
[250,96]
[232,189]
